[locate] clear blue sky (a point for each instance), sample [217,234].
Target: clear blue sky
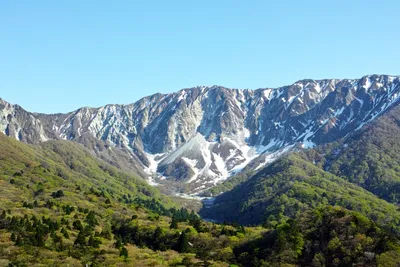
[56,56]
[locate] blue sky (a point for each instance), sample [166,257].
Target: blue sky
[56,56]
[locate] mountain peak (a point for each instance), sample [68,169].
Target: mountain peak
[4,103]
[237,127]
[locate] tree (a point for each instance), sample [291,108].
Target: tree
[3,215]
[19,241]
[289,237]
[196,223]
[94,241]
[174,223]
[186,261]
[124,252]
[13,238]
[91,219]
[106,231]
[57,194]
[158,241]
[80,239]
[39,239]
[118,243]
[77,225]
[56,238]
[183,243]
[65,233]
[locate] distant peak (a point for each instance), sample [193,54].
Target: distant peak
[3,102]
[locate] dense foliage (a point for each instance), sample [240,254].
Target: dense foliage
[230,183]
[325,236]
[290,186]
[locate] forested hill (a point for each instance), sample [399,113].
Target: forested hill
[366,162]
[369,158]
[291,186]
[61,206]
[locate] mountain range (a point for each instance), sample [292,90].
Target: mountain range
[302,175]
[198,137]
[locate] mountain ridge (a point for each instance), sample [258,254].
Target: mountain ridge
[4,101]
[353,172]
[238,125]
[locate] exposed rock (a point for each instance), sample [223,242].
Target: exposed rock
[202,135]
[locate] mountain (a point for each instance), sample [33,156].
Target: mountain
[228,128]
[369,158]
[289,187]
[62,206]
[351,172]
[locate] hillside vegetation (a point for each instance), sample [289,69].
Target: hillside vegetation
[369,158]
[62,206]
[291,186]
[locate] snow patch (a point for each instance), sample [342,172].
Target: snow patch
[307,143]
[220,164]
[273,156]
[189,196]
[151,170]
[182,96]
[192,164]
[338,112]
[273,143]
[267,94]
[367,84]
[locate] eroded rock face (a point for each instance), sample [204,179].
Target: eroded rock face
[202,135]
[22,125]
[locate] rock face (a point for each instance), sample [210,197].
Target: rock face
[200,136]
[22,125]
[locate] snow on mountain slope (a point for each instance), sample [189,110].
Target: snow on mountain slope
[202,135]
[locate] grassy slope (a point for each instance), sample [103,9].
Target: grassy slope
[32,173]
[63,165]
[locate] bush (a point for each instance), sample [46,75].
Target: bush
[57,194]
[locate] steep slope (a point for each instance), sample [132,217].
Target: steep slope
[20,124]
[33,171]
[290,186]
[58,203]
[235,126]
[369,158]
